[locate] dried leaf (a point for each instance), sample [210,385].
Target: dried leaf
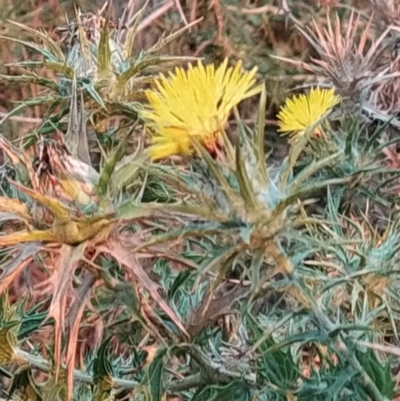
[104,66]
[15,207]
[28,236]
[75,316]
[132,31]
[67,263]
[123,256]
[164,41]
[61,212]
[8,342]
[11,269]
[210,311]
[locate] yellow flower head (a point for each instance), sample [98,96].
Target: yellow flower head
[300,112]
[194,104]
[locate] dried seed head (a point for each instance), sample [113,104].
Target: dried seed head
[347,60]
[387,12]
[385,95]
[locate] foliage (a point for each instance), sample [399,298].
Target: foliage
[223,272]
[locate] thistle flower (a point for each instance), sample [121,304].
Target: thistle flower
[194,104]
[301,111]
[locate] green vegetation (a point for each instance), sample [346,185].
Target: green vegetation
[160,239]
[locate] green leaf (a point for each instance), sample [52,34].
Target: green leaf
[126,172]
[277,367]
[21,383]
[102,366]
[31,79]
[45,37]
[138,67]
[295,151]
[245,186]
[88,86]
[379,372]
[129,210]
[260,139]
[31,323]
[180,279]
[44,52]
[37,101]
[234,391]
[154,376]
[109,165]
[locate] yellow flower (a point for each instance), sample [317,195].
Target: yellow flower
[194,104]
[300,112]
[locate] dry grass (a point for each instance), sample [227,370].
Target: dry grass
[247,29]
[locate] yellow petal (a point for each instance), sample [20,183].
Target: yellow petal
[302,111]
[194,103]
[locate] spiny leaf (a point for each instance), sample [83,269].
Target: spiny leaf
[44,52]
[125,257]
[83,41]
[61,212]
[31,79]
[75,232]
[102,366]
[211,309]
[189,231]
[135,69]
[295,150]
[67,263]
[16,207]
[312,169]
[132,31]
[154,376]
[222,258]
[27,236]
[74,317]
[217,173]
[89,87]
[129,210]
[8,343]
[47,40]
[204,212]
[164,41]
[245,186]
[260,139]
[110,164]
[104,66]
[11,269]
[64,69]
[76,139]
[37,101]
[126,171]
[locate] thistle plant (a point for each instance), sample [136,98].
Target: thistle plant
[196,264]
[356,67]
[95,57]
